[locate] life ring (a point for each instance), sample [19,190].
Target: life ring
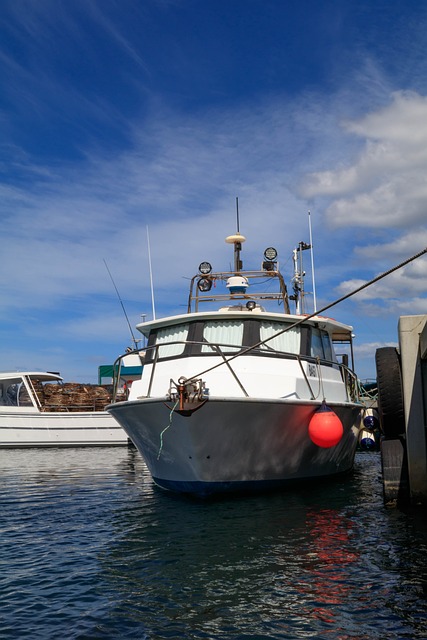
[390,392]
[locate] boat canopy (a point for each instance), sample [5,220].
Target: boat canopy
[43,376]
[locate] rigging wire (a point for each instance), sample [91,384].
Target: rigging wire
[315,313]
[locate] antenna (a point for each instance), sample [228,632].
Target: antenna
[312,263]
[151,275]
[123,306]
[237,240]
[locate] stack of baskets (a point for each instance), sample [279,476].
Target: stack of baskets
[72,396]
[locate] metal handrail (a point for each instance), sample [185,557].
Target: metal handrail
[348,376]
[198,297]
[351,383]
[33,393]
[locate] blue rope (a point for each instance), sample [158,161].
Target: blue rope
[166,428]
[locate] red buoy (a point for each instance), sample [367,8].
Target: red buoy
[325,428]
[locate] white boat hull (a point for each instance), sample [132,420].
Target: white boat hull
[230,444]
[20,427]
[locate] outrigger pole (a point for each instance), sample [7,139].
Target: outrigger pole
[134,340]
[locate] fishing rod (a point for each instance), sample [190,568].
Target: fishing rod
[135,342]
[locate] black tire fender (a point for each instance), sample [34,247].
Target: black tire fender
[390,392]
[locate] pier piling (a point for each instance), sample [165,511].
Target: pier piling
[404,458]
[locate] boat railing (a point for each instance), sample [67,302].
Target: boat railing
[351,382]
[198,295]
[36,389]
[235,351]
[368,392]
[73,408]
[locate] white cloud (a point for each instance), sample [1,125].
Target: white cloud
[367,349]
[404,284]
[385,186]
[401,247]
[403,121]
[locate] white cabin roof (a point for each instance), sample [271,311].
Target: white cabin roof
[43,376]
[339,330]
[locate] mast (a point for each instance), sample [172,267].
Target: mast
[298,279]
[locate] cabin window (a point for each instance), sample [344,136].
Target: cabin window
[15,394]
[327,347]
[12,393]
[227,334]
[9,394]
[173,338]
[287,342]
[321,346]
[24,399]
[316,344]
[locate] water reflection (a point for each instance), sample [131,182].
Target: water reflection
[286,563]
[331,551]
[102,553]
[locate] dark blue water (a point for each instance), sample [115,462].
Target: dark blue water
[90,549]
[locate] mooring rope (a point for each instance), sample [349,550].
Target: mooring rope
[315,313]
[166,428]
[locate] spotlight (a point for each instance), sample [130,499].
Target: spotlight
[205,268]
[204,284]
[270,254]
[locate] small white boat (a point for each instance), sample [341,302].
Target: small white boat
[240,398]
[38,410]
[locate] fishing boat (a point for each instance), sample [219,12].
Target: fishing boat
[235,396]
[39,409]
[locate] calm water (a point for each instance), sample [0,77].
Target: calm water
[90,549]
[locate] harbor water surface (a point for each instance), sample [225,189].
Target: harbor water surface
[91,549]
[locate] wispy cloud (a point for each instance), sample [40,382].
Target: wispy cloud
[99,140]
[385,185]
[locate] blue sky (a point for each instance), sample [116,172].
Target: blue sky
[118,116]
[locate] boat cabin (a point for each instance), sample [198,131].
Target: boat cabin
[242,349]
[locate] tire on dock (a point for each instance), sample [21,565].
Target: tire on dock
[395,474]
[391,412]
[390,392]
